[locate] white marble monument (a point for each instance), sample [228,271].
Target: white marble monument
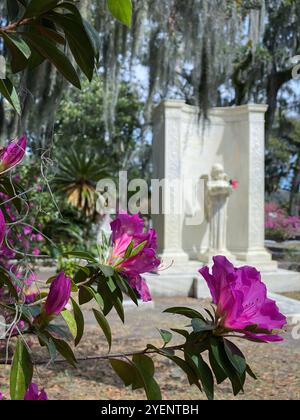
[184,149]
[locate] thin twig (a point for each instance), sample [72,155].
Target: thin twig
[104,357]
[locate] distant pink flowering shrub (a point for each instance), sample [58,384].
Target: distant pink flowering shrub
[279,225]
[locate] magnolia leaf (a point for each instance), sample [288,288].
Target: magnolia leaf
[38,7]
[9,92]
[58,58]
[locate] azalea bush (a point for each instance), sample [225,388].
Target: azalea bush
[279,225]
[204,349]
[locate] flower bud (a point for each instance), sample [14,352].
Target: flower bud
[59,295]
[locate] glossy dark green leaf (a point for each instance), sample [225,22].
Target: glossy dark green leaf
[203,372]
[103,323]
[79,319]
[21,372]
[38,7]
[121,10]
[237,380]
[201,326]
[126,371]
[58,58]
[146,369]
[94,38]
[19,50]
[235,356]
[118,305]
[251,373]
[219,373]
[79,42]
[9,92]
[187,312]
[80,254]
[65,350]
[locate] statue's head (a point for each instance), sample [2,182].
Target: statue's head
[217,171]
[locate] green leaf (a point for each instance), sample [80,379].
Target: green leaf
[203,372]
[250,373]
[201,326]
[38,7]
[20,51]
[146,369]
[166,336]
[237,380]
[65,350]
[80,254]
[79,42]
[70,321]
[121,10]
[126,371]
[21,372]
[9,92]
[107,270]
[79,319]
[138,249]
[118,305]
[236,357]
[102,321]
[219,373]
[94,38]
[49,50]
[187,312]
[129,250]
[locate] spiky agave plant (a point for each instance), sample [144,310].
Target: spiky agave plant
[77,175]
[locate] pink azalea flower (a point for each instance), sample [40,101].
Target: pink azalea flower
[59,295]
[27,230]
[12,154]
[242,302]
[234,183]
[36,252]
[128,229]
[1,396]
[33,394]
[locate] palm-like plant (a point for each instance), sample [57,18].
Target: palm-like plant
[77,176]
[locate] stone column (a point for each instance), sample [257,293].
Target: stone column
[167,165]
[246,230]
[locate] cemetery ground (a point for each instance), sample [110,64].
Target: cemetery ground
[277,364]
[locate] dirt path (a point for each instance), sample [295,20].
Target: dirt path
[277,365]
